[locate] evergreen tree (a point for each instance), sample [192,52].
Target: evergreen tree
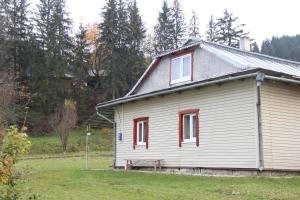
[81,54]
[136,36]
[18,34]
[194,26]
[254,47]
[179,26]
[2,35]
[53,27]
[53,31]
[148,47]
[163,37]
[229,32]
[114,34]
[122,25]
[109,25]
[287,47]
[212,31]
[266,47]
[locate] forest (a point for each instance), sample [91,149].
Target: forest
[44,63]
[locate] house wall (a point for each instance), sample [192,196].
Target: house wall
[206,65]
[281,125]
[227,124]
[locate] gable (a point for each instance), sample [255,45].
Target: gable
[210,61]
[205,65]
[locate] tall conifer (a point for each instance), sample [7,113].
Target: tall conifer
[194,26]
[163,37]
[179,26]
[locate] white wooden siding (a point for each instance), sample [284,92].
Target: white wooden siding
[281,125]
[227,126]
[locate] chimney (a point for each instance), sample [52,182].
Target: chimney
[245,43]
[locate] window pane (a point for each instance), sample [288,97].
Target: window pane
[140,132]
[186,66]
[194,126]
[144,132]
[175,69]
[186,126]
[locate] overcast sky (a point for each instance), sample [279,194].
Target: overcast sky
[263,18]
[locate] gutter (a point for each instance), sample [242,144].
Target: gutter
[259,79]
[114,136]
[178,89]
[282,79]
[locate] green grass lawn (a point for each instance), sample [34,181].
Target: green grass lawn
[67,179]
[100,140]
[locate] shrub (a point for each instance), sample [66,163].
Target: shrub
[64,120]
[14,145]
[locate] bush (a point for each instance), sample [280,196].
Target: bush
[15,144]
[64,120]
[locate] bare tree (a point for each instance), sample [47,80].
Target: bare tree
[64,120]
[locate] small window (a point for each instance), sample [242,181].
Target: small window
[189,126]
[181,68]
[140,132]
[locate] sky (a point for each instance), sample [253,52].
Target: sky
[263,18]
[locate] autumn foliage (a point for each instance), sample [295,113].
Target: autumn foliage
[14,145]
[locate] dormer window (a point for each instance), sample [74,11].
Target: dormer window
[181,69]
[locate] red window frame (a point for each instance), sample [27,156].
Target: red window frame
[135,122]
[180,132]
[179,55]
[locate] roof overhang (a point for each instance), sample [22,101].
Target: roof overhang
[218,80]
[192,85]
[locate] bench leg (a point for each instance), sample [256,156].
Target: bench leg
[159,165]
[126,166]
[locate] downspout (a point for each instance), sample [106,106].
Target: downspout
[114,135]
[259,79]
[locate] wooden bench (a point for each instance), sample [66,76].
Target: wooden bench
[156,163]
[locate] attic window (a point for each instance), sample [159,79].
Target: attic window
[181,69]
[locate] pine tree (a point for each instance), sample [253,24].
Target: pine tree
[179,26]
[122,25]
[212,32]
[18,34]
[136,28]
[229,32]
[254,47]
[114,34]
[148,47]
[53,27]
[3,37]
[109,25]
[194,26]
[136,36]
[53,31]
[163,30]
[81,54]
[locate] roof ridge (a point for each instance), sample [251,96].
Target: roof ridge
[295,63]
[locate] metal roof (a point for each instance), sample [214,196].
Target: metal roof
[244,60]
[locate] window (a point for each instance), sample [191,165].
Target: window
[181,69]
[140,132]
[189,126]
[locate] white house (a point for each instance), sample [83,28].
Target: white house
[207,106]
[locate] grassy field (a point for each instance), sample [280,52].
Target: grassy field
[67,179]
[100,140]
